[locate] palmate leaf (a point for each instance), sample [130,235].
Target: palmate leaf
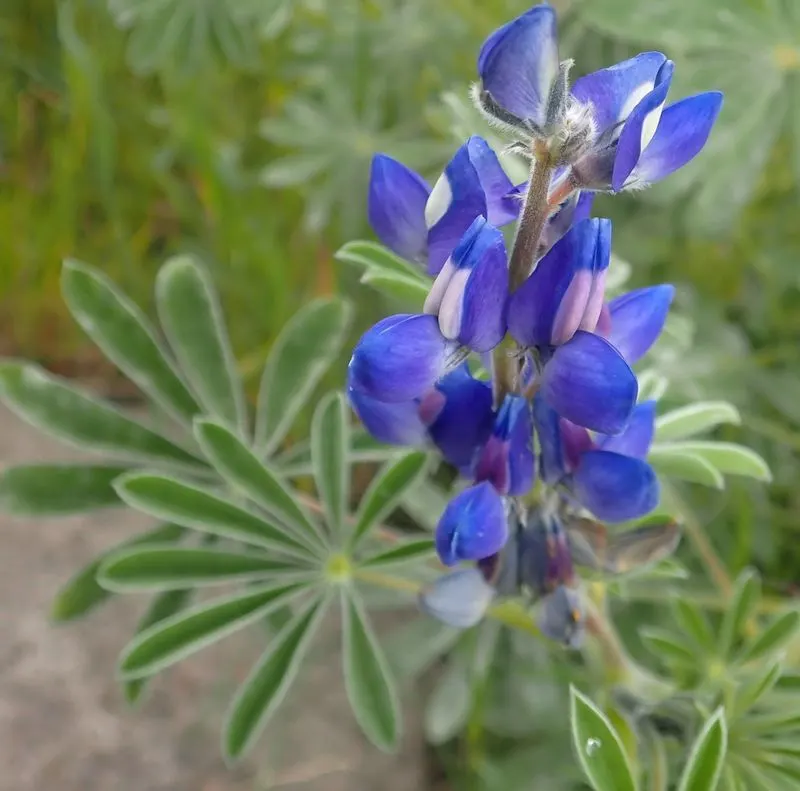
[193,507]
[239,466]
[695,419]
[154,568]
[728,457]
[301,355]
[192,319]
[330,439]
[265,688]
[405,551]
[83,592]
[598,746]
[745,599]
[55,407]
[685,466]
[123,333]
[175,638]
[774,637]
[368,679]
[58,489]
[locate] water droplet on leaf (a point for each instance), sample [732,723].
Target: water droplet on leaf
[592,746]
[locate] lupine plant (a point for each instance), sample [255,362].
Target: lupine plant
[518,445]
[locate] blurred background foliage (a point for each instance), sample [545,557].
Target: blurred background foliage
[242,130]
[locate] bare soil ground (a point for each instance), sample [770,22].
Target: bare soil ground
[64,724]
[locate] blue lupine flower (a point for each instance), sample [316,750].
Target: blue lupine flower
[473,525]
[470,292]
[459,416]
[425,225]
[576,208]
[458,599]
[396,423]
[632,140]
[507,459]
[401,358]
[583,377]
[608,475]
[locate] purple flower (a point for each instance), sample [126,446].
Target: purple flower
[425,225]
[473,525]
[507,460]
[470,292]
[396,423]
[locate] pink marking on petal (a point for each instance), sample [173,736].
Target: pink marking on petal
[575,440]
[452,304]
[594,304]
[438,289]
[572,307]
[492,465]
[603,326]
[430,406]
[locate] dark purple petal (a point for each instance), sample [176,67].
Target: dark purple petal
[575,440]
[459,599]
[637,437]
[518,63]
[473,525]
[396,207]
[561,617]
[395,424]
[545,559]
[682,132]
[548,431]
[502,205]
[615,91]
[550,305]
[473,306]
[615,488]
[640,127]
[588,382]
[400,358]
[456,200]
[507,460]
[637,319]
[464,419]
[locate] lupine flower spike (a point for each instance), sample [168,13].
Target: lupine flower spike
[554,444]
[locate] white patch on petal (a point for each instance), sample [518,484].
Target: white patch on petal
[452,305]
[634,97]
[650,125]
[438,201]
[439,287]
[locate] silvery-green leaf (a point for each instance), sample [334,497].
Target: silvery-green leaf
[403,552]
[692,622]
[55,489]
[449,704]
[685,466]
[265,688]
[372,255]
[407,290]
[728,457]
[125,336]
[195,327]
[330,441]
[669,647]
[754,687]
[742,605]
[52,405]
[175,638]
[301,355]
[705,762]
[695,419]
[598,746]
[368,679]
[775,636]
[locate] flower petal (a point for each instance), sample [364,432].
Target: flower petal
[640,127]
[615,91]
[576,208]
[395,424]
[548,431]
[637,319]
[459,599]
[637,437]
[400,358]
[473,307]
[464,420]
[549,306]
[545,559]
[561,617]
[502,205]
[682,132]
[473,525]
[518,63]
[575,440]
[615,488]
[588,382]
[456,200]
[396,207]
